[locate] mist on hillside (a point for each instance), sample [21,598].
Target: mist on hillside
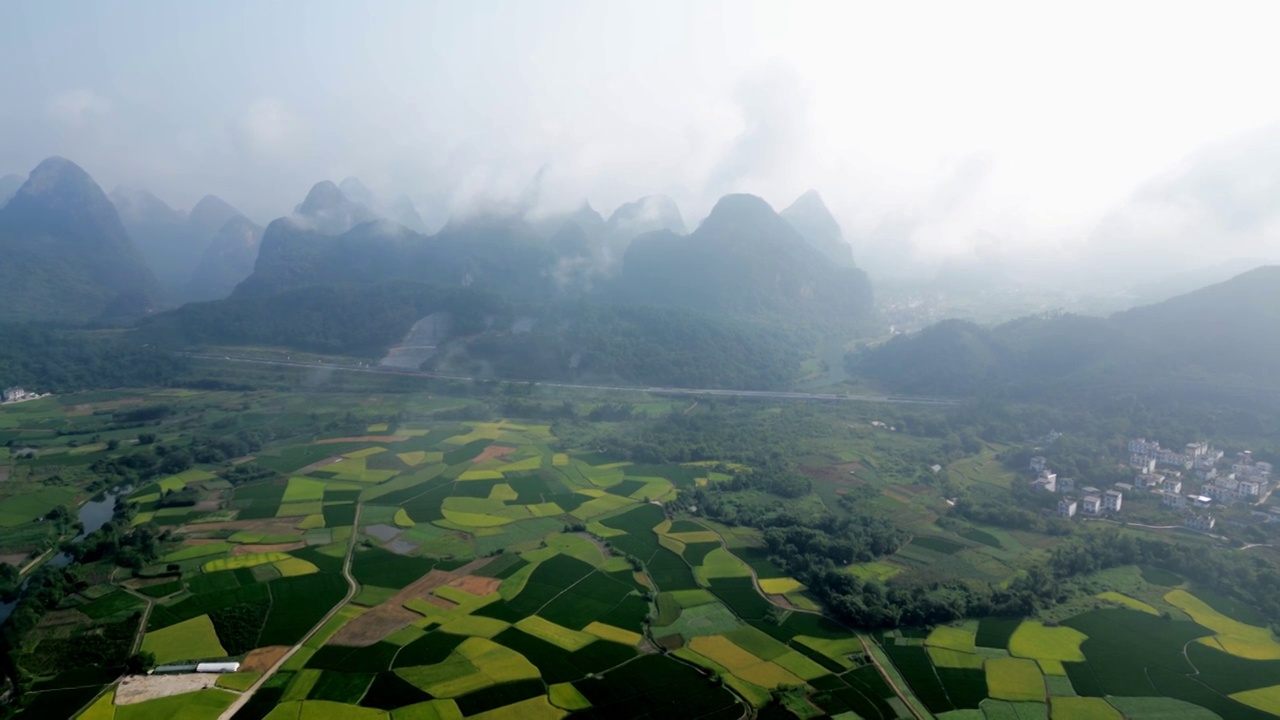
[972,148]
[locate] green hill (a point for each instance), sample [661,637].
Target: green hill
[67,255]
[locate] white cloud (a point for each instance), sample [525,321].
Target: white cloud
[77,108]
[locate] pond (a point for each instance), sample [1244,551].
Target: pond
[93,515]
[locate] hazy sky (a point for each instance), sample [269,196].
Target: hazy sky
[929,128]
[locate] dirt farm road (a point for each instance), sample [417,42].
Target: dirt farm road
[352,587]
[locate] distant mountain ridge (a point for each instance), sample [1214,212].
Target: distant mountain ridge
[200,255]
[1226,334]
[745,260]
[815,223]
[9,185]
[67,254]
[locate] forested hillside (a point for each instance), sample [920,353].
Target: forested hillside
[43,359]
[353,319]
[634,344]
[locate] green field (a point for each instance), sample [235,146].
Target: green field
[193,639]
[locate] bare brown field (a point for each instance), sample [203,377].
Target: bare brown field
[278,547]
[363,438]
[391,615]
[261,659]
[478,586]
[140,688]
[492,452]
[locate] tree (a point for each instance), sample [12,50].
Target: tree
[140,663]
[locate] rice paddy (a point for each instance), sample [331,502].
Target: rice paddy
[1233,637]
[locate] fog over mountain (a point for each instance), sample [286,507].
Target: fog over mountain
[1017,148]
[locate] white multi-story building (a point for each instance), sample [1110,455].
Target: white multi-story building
[1148,480]
[1251,489]
[1067,507]
[1143,463]
[1091,504]
[1171,499]
[1111,500]
[1173,458]
[1220,493]
[1203,523]
[1172,484]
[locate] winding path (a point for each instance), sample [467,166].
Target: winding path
[352,588]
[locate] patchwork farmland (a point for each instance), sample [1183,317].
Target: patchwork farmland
[362,561]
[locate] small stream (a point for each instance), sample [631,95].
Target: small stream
[93,515]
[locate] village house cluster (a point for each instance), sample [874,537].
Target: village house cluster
[1092,502]
[1217,478]
[1193,478]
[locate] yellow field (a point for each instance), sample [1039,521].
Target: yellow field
[1132,603]
[499,663]
[475,626]
[1039,642]
[474,520]
[558,635]
[1082,708]
[951,638]
[559,460]
[1266,699]
[780,586]
[314,507]
[377,427]
[1051,667]
[101,709]
[193,639]
[720,563]
[613,634]
[837,650]
[800,666]
[294,567]
[480,475]
[946,657]
[311,522]
[529,463]
[742,663]
[599,506]
[430,710]
[1014,679]
[364,453]
[417,457]
[532,709]
[577,547]
[402,519]
[565,695]
[475,664]
[301,489]
[1233,636]
[235,562]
